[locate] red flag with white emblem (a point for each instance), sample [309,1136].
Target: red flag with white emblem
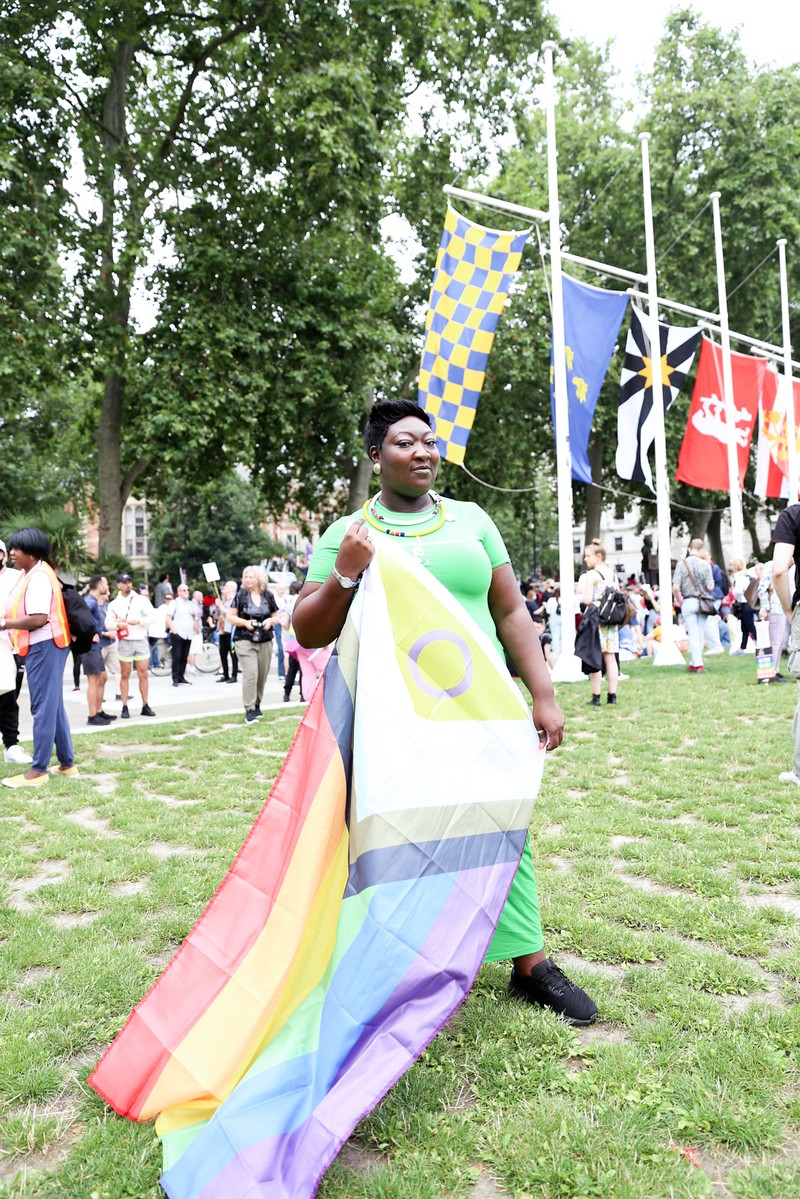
[703,460]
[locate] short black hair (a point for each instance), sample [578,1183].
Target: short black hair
[33,542]
[94,581]
[386,413]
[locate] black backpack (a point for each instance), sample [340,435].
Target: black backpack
[612,606]
[80,619]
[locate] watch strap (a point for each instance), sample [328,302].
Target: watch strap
[344,581]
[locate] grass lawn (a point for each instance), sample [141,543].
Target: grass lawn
[668,862]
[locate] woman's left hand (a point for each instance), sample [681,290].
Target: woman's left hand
[548,720]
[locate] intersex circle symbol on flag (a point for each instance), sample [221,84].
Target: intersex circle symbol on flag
[437,692]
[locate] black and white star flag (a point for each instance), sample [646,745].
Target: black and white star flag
[635,421]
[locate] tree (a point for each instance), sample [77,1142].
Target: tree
[216,523]
[239,143]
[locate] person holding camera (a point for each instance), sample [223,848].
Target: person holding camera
[254,614]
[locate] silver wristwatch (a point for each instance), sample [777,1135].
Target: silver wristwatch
[343,581]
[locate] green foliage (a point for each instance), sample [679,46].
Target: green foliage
[63,529]
[215,523]
[254,143]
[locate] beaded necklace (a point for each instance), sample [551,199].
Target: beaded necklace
[377,521]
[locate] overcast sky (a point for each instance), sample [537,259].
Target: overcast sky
[769,29]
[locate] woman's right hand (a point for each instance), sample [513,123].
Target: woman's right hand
[356,550]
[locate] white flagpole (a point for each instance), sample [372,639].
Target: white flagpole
[791,431]
[737,519]
[667,653]
[567,668]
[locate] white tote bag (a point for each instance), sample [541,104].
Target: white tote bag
[8,667]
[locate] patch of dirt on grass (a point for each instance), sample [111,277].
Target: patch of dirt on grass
[561,864]
[685,818]
[570,962]
[605,1033]
[171,802]
[121,751]
[618,841]
[73,919]
[161,850]
[51,872]
[123,890]
[487,1186]
[553,830]
[35,974]
[106,784]
[360,1159]
[717,1168]
[87,818]
[464,1099]
[646,884]
[62,1108]
[775,899]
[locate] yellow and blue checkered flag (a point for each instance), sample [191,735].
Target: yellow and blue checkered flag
[474,269]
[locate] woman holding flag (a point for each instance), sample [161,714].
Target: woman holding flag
[461,546]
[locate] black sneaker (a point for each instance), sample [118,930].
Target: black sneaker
[125,714]
[107,715]
[99,718]
[147,710]
[549,987]
[223,678]
[611,699]
[252,716]
[594,702]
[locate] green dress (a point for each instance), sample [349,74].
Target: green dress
[461,553]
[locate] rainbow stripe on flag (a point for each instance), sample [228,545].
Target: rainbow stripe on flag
[356,915]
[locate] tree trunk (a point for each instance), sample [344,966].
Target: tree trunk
[698,523]
[594,496]
[714,535]
[115,284]
[110,500]
[360,483]
[750,525]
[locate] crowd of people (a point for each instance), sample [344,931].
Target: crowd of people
[251,622]
[734,605]
[247,619]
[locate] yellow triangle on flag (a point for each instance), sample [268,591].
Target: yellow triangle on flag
[449,675]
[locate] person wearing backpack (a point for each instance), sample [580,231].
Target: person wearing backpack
[593,585]
[36,617]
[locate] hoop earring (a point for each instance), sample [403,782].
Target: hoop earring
[376,468]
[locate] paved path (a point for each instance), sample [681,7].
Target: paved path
[205,697]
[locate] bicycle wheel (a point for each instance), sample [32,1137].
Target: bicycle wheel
[208,660]
[164,658]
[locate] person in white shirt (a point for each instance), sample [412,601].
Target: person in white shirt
[183,624]
[128,616]
[9,705]
[37,618]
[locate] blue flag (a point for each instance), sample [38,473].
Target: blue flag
[592,317]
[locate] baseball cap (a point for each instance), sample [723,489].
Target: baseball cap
[3,547]
[123,578]
[142,587]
